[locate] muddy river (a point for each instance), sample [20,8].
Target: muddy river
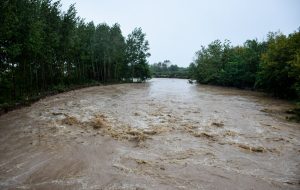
[163,134]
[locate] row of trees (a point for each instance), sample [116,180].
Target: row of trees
[272,65]
[43,48]
[167,70]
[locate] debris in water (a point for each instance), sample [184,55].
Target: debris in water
[70,120]
[251,149]
[216,124]
[136,114]
[152,132]
[140,161]
[58,113]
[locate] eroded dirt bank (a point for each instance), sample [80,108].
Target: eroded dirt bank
[165,134]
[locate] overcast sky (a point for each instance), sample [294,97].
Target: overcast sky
[176,29]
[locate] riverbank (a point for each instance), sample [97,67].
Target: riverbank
[10,106]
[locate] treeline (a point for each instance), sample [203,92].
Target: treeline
[167,70]
[43,49]
[272,65]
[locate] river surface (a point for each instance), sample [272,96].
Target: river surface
[163,134]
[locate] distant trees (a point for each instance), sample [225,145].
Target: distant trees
[272,65]
[161,66]
[43,49]
[165,69]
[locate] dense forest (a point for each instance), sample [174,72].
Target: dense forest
[272,65]
[167,70]
[43,49]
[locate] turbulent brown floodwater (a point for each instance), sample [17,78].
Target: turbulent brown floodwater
[164,134]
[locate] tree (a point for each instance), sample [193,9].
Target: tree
[166,70]
[43,50]
[279,70]
[118,47]
[137,53]
[272,65]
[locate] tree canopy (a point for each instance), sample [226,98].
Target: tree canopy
[272,65]
[44,49]
[166,69]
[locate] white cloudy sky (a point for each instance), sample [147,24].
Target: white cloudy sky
[176,29]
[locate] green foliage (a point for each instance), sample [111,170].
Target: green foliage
[223,64]
[166,70]
[273,65]
[43,49]
[280,67]
[137,53]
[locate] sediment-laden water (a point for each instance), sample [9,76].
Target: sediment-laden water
[163,134]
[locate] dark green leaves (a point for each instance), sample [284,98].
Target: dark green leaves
[42,48]
[272,65]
